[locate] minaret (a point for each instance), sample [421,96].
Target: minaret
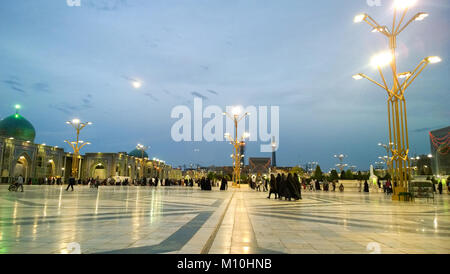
[274,149]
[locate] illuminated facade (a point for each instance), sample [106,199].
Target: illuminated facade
[20,155]
[440,151]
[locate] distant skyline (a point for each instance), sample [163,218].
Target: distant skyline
[61,62]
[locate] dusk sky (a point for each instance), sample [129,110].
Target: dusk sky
[61,62]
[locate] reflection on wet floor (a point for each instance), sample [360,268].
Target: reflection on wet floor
[47,219]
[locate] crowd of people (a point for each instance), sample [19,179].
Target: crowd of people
[282,186]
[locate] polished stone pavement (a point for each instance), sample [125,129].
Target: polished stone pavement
[145,220]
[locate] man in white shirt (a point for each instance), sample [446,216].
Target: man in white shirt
[20,183]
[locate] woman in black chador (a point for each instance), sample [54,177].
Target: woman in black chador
[224,184]
[366,186]
[203,183]
[317,185]
[299,186]
[208,184]
[278,185]
[291,188]
[273,186]
[284,191]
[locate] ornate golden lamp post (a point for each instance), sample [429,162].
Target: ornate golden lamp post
[77,145]
[236,142]
[142,148]
[396,105]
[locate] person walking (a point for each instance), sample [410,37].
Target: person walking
[224,184]
[366,186]
[440,187]
[20,183]
[71,183]
[298,185]
[273,187]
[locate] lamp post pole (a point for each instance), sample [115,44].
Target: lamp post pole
[77,145]
[236,117]
[396,104]
[142,148]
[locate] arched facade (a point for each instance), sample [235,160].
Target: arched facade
[34,161]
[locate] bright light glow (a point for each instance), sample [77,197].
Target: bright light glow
[236,111]
[404,4]
[430,156]
[136,84]
[246,135]
[357,76]
[381,59]
[75,121]
[380,29]
[17,106]
[404,75]
[89,123]
[420,16]
[227,134]
[359,18]
[433,59]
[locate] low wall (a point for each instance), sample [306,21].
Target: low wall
[358,186]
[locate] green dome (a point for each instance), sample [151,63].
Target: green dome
[138,154]
[18,127]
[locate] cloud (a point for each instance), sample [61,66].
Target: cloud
[71,108]
[212,91]
[18,89]
[148,94]
[41,87]
[196,94]
[14,84]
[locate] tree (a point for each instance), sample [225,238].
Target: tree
[359,176]
[298,170]
[343,175]
[349,174]
[318,175]
[211,176]
[334,175]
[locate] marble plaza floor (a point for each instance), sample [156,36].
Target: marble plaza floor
[145,220]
